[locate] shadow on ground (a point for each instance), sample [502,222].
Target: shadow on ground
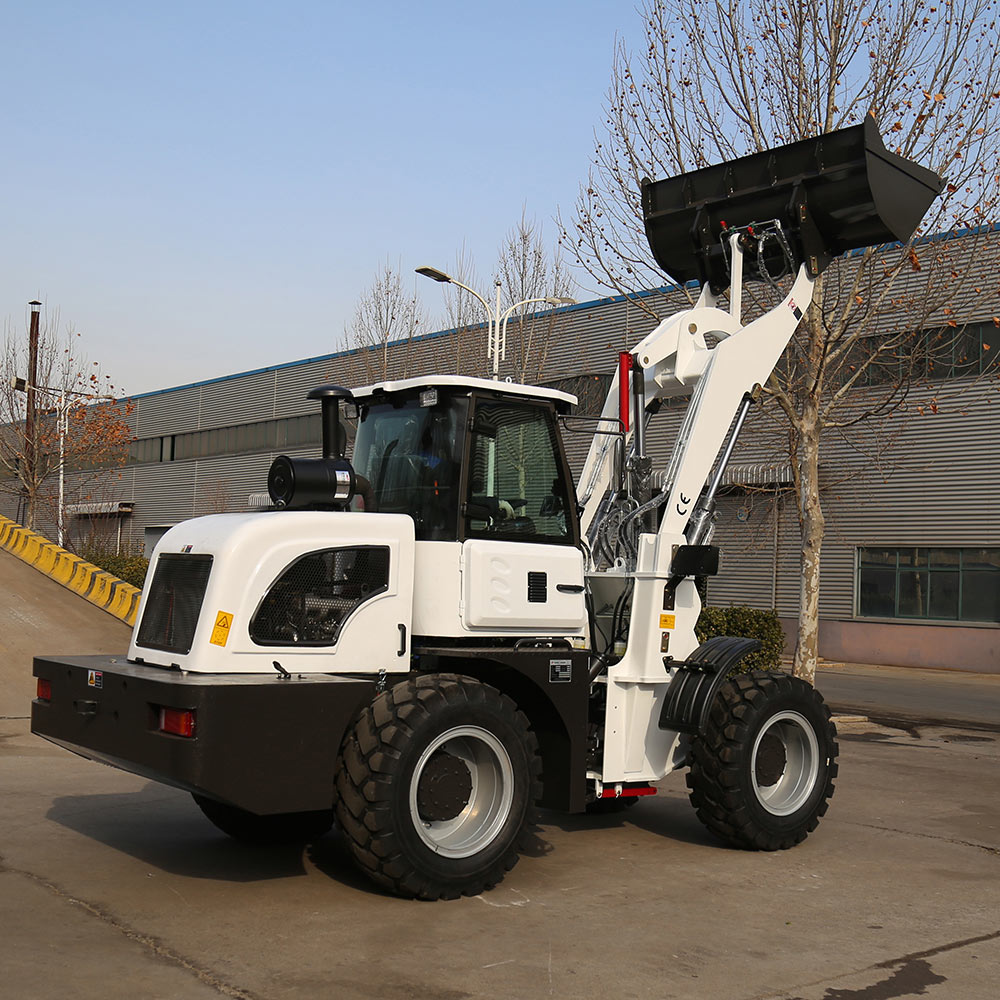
[668,814]
[165,829]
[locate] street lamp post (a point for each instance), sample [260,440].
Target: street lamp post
[62,425]
[492,316]
[496,326]
[29,418]
[552,300]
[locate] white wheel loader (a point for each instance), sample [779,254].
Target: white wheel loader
[485,637]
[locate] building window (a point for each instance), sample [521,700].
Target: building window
[146,450]
[957,352]
[947,584]
[290,432]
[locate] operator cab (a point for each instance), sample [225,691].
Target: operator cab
[468,459]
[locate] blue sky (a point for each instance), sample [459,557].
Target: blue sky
[203,188]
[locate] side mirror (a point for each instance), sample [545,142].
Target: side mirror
[485,428]
[477,511]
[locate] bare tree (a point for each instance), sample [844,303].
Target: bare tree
[717,79]
[527,272]
[466,317]
[215,498]
[528,279]
[69,389]
[386,315]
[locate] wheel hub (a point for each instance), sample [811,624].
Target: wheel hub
[771,760]
[785,763]
[445,788]
[462,791]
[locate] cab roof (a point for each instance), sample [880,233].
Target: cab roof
[562,400]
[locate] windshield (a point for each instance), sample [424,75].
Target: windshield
[411,456]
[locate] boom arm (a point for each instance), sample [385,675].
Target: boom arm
[674,357]
[786,210]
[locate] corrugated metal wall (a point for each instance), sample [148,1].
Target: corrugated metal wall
[929,479]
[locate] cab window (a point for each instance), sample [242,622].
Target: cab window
[516,487]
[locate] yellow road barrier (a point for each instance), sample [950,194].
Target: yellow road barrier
[91,582]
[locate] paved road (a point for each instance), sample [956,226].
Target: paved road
[39,616]
[113,887]
[906,695]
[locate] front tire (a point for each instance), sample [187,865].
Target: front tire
[437,785]
[762,774]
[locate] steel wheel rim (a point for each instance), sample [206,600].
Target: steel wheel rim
[489,805]
[801,768]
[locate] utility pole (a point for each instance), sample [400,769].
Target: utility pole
[30,478]
[496,326]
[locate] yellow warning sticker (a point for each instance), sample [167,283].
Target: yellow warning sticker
[220,633]
[666,621]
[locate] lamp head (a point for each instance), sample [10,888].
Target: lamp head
[434,274]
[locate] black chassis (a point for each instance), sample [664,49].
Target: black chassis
[270,744]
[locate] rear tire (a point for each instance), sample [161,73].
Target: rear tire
[762,774]
[281,828]
[436,787]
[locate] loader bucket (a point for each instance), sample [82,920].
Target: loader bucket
[830,194]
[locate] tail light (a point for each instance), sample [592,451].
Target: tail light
[44,689]
[177,721]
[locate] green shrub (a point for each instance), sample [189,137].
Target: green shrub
[128,566]
[751,623]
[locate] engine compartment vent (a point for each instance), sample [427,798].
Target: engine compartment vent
[173,605]
[313,598]
[538,588]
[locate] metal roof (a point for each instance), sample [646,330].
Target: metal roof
[466,382]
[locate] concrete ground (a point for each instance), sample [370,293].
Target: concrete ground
[39,616]
[112,886]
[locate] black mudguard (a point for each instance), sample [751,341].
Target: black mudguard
[697,681]
[552,687]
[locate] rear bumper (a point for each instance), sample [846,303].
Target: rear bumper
[262,743]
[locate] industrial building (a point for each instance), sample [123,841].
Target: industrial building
[911,558]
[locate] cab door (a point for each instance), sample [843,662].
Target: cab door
[522,566]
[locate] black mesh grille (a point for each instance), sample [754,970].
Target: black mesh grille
[538,586]
[174,602]
[311,600]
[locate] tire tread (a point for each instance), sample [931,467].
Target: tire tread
[364,781]
[715,777]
